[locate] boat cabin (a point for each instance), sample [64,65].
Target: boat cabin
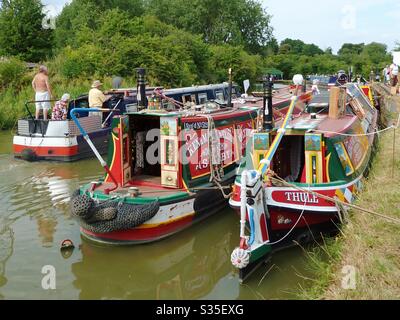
[178,149]
[327,142]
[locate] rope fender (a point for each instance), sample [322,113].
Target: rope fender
[110,216]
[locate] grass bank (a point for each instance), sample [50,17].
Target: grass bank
[367,244]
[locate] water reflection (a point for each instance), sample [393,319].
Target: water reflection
[191,265]
[40,191]
[6,250]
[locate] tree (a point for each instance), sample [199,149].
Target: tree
[236,22]
[86,14]
[351,49]
[21,30]
[328,51]
[299,47]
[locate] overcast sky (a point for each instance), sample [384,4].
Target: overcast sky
[326,23]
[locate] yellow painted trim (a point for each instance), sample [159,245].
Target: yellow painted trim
[113,159]
[328,159]
[150,226]
[320,175]
[185,186]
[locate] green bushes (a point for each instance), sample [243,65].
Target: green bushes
[12,73]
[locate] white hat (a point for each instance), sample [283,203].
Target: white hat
[96,84]
[65,97]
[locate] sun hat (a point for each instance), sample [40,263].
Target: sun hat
[65,97]
[96,84]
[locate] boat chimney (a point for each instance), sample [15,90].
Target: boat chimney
[230,89]
[268,118]
[141,87]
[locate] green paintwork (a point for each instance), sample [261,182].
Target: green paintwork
[260,252]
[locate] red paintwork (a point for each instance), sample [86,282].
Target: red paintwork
[48,151]
[281,196]
[282,214]
[335,126]
[263,226]
[366,91]
[198,164]
[143,235]
[309,219]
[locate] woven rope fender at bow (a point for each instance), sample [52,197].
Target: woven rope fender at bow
[110,216]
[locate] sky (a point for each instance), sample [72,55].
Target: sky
[325,23]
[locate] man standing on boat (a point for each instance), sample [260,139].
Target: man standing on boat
[96,98]
[43,94]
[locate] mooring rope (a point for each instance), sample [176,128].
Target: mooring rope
[216,170]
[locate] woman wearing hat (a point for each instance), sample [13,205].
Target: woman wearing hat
[60,110]
[96,98]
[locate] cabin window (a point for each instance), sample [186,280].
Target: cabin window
[189,98]
[235,93]
[202,98]
[219,95]
[168,105]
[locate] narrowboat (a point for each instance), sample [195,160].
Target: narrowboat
[296,179]
[166,169]
[63,141]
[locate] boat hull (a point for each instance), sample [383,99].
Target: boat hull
[63,149]
[300,217]
[172,217]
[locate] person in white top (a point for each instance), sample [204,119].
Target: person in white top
[314,88]
[394,73]
[386,74]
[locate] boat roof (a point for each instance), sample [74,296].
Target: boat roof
[197,88]
[330,127]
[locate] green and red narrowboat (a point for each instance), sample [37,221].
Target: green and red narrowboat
[299,175]
[167,169]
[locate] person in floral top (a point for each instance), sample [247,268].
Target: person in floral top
[60,109]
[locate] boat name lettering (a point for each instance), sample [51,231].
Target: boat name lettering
[195,125]
[301,197]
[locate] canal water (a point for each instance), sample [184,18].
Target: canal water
[194,264]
